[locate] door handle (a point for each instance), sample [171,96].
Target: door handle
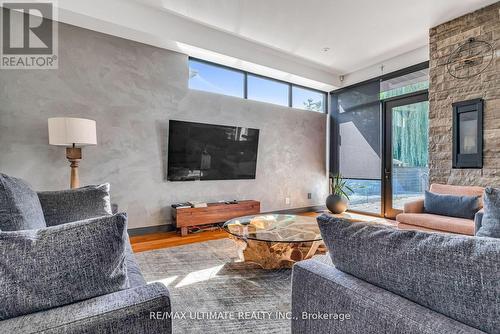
[387,174]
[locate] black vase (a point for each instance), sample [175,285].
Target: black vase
[336,204]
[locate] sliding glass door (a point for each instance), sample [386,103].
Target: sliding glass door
[406,169]
[379,140]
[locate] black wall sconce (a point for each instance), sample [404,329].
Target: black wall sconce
[468,134]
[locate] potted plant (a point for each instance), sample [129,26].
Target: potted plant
[336,202]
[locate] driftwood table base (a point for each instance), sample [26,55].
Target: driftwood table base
[275,255]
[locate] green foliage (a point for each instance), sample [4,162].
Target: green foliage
[339,186]
[410,128]
[415,87]
[410,133]
[313,106]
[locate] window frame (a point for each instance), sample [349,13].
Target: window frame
[289,85]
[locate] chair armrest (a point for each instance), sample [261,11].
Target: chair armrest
[319,288]
[126,311]
[478,219]
[416,206]
[71,205]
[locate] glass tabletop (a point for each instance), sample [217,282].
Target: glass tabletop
[274,228]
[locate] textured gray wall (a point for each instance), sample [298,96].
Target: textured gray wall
[132,90]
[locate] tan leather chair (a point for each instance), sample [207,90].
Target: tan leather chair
[414,218]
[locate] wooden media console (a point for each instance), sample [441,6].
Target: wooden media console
[213,213]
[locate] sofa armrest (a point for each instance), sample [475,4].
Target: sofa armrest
[478,219]
[72,205]
[350,305]
[416,206]
[125,311]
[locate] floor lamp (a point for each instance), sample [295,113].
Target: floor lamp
[73,133]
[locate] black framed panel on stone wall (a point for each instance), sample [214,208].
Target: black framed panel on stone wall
[468,134]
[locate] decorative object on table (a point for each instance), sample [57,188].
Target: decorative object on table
[181,205]
[197,204]
[468,134]
[336,202]
[470,59]
[275,240]
[73,133]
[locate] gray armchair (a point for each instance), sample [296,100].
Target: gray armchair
[124,311]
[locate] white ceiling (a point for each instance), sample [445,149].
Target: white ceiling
[358,33]
[288,36]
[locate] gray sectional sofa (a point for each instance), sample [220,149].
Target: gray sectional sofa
[378,279]
[130,301]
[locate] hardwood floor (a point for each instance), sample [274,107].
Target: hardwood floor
[159,240]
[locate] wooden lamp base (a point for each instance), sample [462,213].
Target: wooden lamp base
[74,155]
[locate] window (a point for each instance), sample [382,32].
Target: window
[221,79]
[365,196]
[267,90]
[358,149]
[405,84]
[216,79]
[307,99]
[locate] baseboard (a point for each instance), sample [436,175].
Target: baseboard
[170,227]
[300,210]
[150,229]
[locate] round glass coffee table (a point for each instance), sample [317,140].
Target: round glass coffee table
[274,240]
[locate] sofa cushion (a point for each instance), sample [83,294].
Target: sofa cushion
[403,226]
[451,274]
[448,189]
[54,266]
[490,224]
[451,205]
[134,273]
[437,222]
[19,205]
[75,204]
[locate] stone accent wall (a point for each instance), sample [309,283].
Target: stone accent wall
[483,24]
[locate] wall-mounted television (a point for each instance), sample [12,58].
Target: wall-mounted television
[198,151]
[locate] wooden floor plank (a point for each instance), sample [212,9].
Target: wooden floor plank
[171,239]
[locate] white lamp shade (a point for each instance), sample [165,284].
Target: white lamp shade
[66,131]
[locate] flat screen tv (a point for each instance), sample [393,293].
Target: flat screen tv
[198,151]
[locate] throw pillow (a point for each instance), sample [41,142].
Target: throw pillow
[54,266]
[75,204]
[490,224]
[20,208]
[451,274]
[451,205]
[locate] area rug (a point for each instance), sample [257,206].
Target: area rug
[212,292]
